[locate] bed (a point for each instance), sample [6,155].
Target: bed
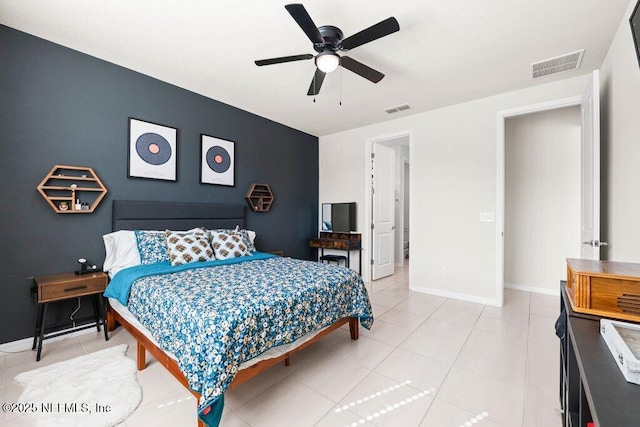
[218,323]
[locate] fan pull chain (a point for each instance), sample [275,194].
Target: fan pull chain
[340,86]
[314,88]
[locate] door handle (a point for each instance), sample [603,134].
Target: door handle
[595,243]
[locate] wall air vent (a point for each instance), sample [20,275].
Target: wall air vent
[397,108]
[559,64]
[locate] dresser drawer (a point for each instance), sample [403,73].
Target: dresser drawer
[343,244]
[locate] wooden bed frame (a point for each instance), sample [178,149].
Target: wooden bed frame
[243,375]
[182,216]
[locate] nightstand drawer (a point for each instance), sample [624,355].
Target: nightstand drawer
[65,286]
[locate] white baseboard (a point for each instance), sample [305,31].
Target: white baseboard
[27,343]
[454,295]
[534,289]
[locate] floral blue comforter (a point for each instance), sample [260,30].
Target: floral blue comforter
[214,319]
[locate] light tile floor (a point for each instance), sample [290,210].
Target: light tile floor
[428,361]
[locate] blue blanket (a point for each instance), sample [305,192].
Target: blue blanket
[214,319]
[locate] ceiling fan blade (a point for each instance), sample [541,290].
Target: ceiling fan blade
[360,69]
[316,83]
[282,59]
[374,32]
[299,13]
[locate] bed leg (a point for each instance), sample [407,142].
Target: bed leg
[287,362]
[141,356]
[353,328]
[111,320]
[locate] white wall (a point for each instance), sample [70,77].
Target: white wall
[343,164]
[453,161]
[542,198]
[620,139]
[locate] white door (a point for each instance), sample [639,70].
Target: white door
[383,211]
[590,170]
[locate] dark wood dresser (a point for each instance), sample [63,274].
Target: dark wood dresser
[593,391]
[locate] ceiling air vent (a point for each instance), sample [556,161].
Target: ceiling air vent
[397,108]
[559,64]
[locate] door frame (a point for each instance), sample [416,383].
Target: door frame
[400,221]
[502,116]
[367,234]
[590,169]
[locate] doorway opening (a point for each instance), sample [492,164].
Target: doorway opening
[388,203]
[503,116]
[542,198]
[589,160]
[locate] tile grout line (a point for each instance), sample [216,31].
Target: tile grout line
[526,365]
[454,360]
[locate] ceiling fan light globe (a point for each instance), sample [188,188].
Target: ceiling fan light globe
[327,62]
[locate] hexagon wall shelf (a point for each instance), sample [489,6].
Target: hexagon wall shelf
[64,185]
[259,197]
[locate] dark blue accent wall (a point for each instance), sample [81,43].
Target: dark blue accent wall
[59,106]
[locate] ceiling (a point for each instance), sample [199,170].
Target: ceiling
[446,52]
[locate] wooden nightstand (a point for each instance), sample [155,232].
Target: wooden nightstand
[58,287]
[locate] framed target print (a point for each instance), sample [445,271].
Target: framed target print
[216,161]
[152,151]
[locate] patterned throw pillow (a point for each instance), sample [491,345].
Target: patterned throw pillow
[242,233]
[186,247]
[247,241]
[226,245]
[152,246]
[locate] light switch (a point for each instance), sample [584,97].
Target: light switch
[486,217]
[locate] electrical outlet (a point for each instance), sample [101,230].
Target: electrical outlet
[444,272]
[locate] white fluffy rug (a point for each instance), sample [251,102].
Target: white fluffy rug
[99,389]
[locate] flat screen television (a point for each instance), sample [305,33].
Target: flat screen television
[339,217]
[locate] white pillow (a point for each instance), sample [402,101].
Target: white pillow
[121,251]
[252,236]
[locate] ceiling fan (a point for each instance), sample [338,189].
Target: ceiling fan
[327,41]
